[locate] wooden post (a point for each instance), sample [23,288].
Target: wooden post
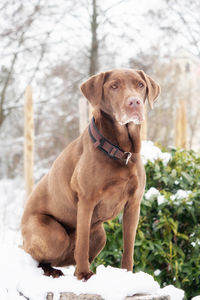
[144,126]
[83,119]
[181,125]
[28,141]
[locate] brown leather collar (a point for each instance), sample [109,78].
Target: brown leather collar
[106,146]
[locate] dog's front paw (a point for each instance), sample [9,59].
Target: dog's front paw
[83,275]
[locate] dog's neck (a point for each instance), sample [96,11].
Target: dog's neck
[127,137]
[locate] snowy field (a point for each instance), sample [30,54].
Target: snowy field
[20,276]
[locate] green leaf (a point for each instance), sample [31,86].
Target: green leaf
[187,177]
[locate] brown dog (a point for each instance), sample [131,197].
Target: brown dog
[93,179]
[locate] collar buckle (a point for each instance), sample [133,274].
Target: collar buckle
[127,156]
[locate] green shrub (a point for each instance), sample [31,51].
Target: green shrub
[168,235]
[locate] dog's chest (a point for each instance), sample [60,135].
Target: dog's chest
[112,199]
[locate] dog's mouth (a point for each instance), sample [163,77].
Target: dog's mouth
[135,117]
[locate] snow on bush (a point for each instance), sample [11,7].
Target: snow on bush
[151,153]
[19,274]
[180,194]
[154,193]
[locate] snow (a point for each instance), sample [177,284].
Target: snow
[197,242]
[180,194]
[21,274]
[153,192]
[12,197]
[160,199]
[157,272]
[175,293]
[151,153]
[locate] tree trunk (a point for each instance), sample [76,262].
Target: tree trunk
[93,67]
[93,64]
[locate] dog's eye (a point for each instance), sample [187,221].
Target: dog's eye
[140,84]
[114,86]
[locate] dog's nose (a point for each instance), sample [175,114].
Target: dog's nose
[134,102]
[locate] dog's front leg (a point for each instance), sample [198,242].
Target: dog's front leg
[84,216]
[130,222]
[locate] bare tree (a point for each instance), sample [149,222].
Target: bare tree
[179,26]
[24,47]
[15,36]
[94,59]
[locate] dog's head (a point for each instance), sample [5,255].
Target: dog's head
[121,94]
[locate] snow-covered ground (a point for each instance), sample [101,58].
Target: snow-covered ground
[19,274]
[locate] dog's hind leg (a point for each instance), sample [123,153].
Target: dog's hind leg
[46,240]
[49,271]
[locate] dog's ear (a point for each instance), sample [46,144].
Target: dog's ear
[153,88]
[93,87]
